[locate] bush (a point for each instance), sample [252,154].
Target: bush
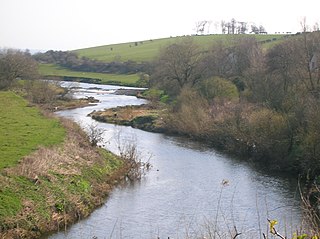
[268,131]
[189,115]
[218,88]
[16,65]
[41,91]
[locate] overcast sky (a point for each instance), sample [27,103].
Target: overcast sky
[74,24]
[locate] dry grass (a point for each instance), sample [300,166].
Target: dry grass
[127,113]
[59,159]
[54,187]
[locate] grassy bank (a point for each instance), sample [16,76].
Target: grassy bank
[100,78]
[147,50]
[45,188]
[23,129]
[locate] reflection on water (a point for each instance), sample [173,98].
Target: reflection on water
[182,194]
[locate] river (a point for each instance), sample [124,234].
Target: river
[182,196]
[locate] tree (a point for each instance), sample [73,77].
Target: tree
[16,64]
[244,53]
[232,59]
[233,25]
[296,63]
[223,27]
[200,26]
[216,62]
[282,61]
[254,29]
[257,30]
[42,91]
[95,134]
[242,28]
[178,66]
[262,30]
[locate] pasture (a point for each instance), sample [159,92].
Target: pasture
[148,49]
[104,78]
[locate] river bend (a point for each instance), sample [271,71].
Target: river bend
[182,195]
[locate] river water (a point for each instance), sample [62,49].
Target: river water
[182,196]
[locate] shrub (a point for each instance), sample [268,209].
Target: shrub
[190,114]
[268,130]
[217,87]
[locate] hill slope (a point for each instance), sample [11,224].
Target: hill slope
[93,77]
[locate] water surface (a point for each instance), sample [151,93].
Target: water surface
[182,195]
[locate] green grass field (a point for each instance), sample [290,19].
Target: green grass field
[56,181]
[139,51]
[23,129]
[148,49]
[53,70]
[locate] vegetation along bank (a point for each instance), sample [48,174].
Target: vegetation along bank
[51,172]
[51,175]
[257,100]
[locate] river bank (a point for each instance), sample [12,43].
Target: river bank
[145,117]
[56,186]
[152,118]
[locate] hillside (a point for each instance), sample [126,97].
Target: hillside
[126,60]
[93,77]
[148,49]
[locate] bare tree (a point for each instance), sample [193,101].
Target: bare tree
[242,27]
[254,29]
[228,26]
[304,25]
[134,167]
[257,30]
[216,62]
[15,64]
[223,27]
[95,134]
[42,91]
[200,26]
[294,64]
[262,30]
[233,25]
[244,54]
[178,66]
